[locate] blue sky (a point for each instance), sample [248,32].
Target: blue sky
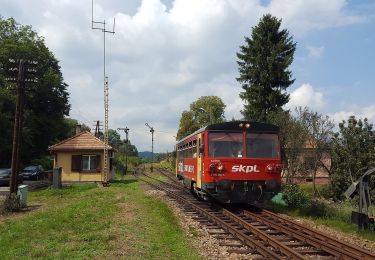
[344,70]
[166,54]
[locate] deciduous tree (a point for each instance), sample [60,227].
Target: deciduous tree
[319,131]
[187,125]
[204,111]
[46,103]
[353,152]
[293,138]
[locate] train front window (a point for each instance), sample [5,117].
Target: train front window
[225,145]
[262,145]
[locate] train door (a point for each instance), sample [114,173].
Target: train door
[199,161]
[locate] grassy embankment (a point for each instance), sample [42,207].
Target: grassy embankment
[84,221]
[331,214]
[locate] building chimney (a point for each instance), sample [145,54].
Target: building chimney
[78,129]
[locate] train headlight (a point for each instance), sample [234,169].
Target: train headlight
[269,168]
[247,125]
[220,167]
[212,167]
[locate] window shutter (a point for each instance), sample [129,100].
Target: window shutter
[98,163]
[76,162]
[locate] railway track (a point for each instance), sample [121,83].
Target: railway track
[262,233]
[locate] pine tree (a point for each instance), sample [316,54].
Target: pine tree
[263,67]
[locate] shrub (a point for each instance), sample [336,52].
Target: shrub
[11,204]
[295,197]
[45,161]
[326,191]
[317,208]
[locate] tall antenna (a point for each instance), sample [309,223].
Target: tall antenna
[96,25]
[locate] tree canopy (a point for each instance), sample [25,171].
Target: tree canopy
[204,111]
[46,102]
[293,138]
[353,153]
[263,67]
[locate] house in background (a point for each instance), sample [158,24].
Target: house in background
[305,160]
[81,157]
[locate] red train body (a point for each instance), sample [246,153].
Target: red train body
[232,162]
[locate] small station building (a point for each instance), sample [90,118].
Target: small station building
[81,157]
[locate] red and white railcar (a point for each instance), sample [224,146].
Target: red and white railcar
[232,162]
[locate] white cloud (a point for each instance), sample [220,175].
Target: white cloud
[315,52]
[305,95]
[305,15]
[162,59]
[358,111]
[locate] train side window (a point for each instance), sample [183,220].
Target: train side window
[190,150]
[194,149]
[201,149]
[185,151]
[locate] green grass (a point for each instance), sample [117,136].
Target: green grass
[84,221]
[333,215]
[167,165]
[308,187]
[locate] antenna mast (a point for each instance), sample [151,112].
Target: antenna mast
[96,25]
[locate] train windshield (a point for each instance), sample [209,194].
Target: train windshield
[225,145]
[260,145]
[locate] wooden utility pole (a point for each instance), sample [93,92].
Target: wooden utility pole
[17,127]
[17,130]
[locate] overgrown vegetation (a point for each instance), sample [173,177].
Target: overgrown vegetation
[10,204]
[301,203]
[353,152]
[295,197]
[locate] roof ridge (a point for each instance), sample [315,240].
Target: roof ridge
[68,139]
[52,147]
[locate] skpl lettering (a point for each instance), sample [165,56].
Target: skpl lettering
[245,168]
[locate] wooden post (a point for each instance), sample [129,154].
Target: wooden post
[17,135]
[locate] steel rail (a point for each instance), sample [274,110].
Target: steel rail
[244,238]
[166,174]
[279,246]
[323,240]
[302,237]
[315,239]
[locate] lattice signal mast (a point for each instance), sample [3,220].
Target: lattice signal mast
[96,25]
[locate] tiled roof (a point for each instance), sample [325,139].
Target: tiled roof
[81,141]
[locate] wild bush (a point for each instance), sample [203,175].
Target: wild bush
[295,197]
[45,161]
[11,204]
